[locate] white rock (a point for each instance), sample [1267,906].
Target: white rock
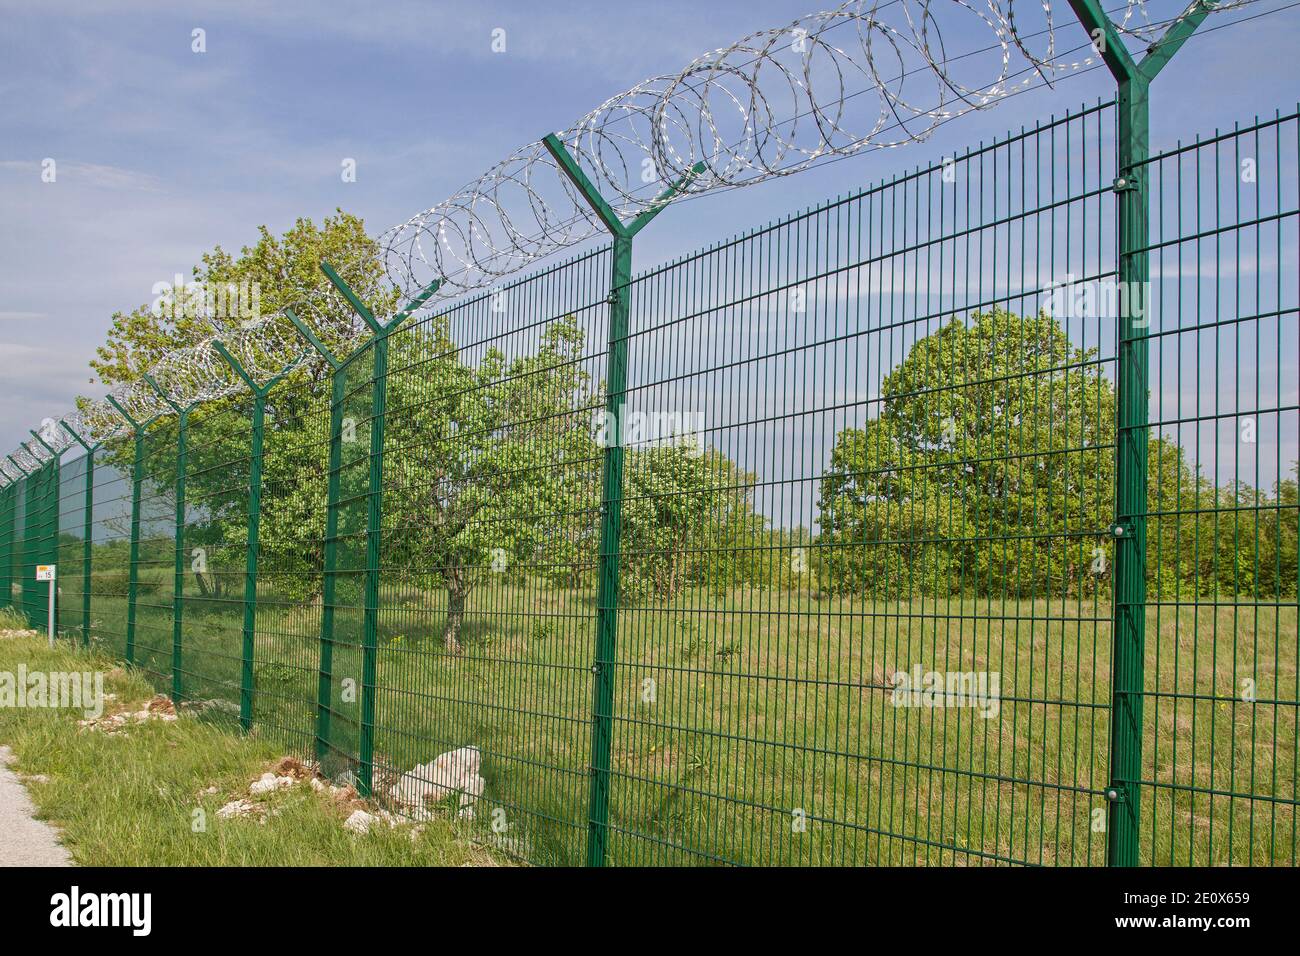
[265,784]
[472,790]
[360,821]
[236,808]
[455,772]
[268,782]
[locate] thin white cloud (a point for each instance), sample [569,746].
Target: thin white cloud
[97,175]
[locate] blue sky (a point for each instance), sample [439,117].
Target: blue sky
[163,153]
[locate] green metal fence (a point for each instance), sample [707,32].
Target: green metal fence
[8,508]
[110,554]
[74,498]
[1217,764]
[952,521]
[37,544]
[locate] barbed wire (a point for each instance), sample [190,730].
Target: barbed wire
[53,437]
[95,422]
[770,105]
[25,458]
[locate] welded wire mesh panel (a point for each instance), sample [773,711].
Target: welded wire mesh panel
[33,490]
[856,585]
[1219,716]
[487,591]
[39,540]
[110,554]
[344,600]
[72,581]
[214,551]
[8,497]
[865,612]
[295,463]
[19,587]
[155,568]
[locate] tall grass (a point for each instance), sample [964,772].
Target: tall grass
[138,797]
[759,727]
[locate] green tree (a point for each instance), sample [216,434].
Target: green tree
[987,462]
[890,526]
[277,272]
[990,471]
[1278,572]
[485,455]
[272,274]
[687,519]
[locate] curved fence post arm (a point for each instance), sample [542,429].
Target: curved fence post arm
[133,562]
[253,540]
[611,501]
[87,531]
[374,515]
[1129,527]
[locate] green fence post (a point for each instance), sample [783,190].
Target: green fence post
[41,540]
[19,547]
[31,484]
[254,531]
[52,503]
[34,532]
[329,557]
[7,536]
[178,570]
[51,536]
[34,528]
[87,531]
[6,540]
[611,499]
[375,509]
[12,491]
[31,534]
[50,525]
[1131,373]
[10,514]
[133,561]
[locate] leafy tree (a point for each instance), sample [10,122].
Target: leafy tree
[989,471]
[1278,572]
[482,457]
[686,517]
[988,459]
[277,272]
[889,525]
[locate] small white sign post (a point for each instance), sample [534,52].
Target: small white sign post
[46,572]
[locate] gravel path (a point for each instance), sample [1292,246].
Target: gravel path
[23,840]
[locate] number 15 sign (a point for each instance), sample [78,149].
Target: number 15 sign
[46,572]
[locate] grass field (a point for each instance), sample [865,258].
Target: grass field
[131,798]
[758,727]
